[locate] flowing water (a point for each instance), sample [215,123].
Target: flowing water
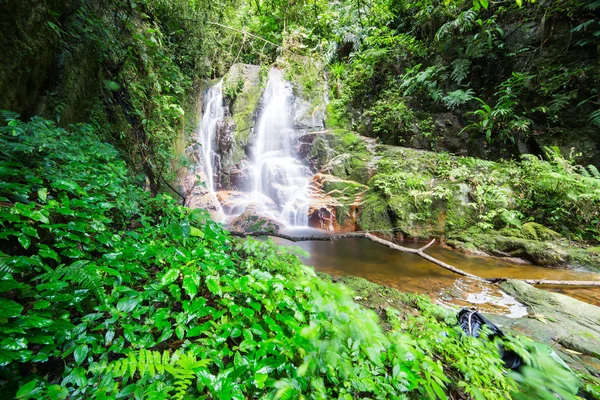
[280,181]
[411,273]
[214,111]
[278,174]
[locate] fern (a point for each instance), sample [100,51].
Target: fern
[458,98]
[5,269]
[182,366]
[593,171]
[463,23]
[560,102]
[595,118]
[460,70]
[81,275]
[583,172]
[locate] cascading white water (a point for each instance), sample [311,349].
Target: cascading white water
[277,173]
[213,113]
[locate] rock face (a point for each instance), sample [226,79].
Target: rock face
[242,88]
[569,326]
[335,203]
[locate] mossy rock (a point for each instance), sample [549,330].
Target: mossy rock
[343,190]
[351,166]
[374,215]
[545,253]
[574,323]
[535,231]
[249,222]
[242,86]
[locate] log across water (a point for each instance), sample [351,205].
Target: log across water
[421,253]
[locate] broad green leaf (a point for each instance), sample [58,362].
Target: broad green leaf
[190,286]
[9,309]
[24,391]
[80,354]
[170,277]
[128,304]
[25,241]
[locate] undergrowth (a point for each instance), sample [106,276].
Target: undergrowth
[108,292]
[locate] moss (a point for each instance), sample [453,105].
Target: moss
[546,253]
[353,167]
[535,231]
[343,190]
[374,215]
[341,214]
[244,111]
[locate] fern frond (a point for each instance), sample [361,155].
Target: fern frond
[82,275]
[460,69]
[147,363]
[463,23]
[583,172]
[594,171]
[5,268]
[560,102]
[595,118]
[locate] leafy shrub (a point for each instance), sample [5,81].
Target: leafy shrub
[391,119]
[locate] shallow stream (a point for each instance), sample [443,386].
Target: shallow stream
[411,273]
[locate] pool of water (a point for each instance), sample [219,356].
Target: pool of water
[411,273]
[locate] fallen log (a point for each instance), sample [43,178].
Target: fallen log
[419,252]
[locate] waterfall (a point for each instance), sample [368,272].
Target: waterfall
[277,173]
[278,182]
[213,113]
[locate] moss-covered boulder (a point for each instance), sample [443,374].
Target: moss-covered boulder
[552,253]
[250,221]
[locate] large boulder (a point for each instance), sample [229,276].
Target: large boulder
[569,326]
[251,222]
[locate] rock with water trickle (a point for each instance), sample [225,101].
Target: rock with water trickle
[240,176]
[306,116]
[242,92]
[224,136]
[198,196]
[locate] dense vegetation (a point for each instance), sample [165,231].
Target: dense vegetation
[109,288]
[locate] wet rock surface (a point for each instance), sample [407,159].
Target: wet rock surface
[571,327]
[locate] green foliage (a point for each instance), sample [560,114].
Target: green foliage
[458,98]
[503,121]
[391,119]
[181,309]
[435,193]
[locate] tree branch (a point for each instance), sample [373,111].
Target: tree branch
[419,252]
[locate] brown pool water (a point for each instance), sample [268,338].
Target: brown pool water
[410,273]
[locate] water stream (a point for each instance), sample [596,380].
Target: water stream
[411,273]
[214,111]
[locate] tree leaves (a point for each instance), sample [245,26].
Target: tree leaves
[9,309]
